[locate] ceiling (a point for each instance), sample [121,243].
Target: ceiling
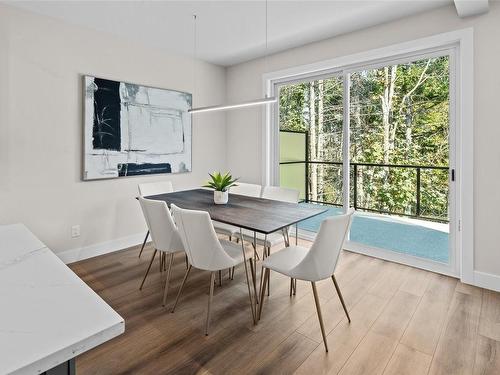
[229,32]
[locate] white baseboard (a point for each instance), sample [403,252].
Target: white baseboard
[487,280]
[85,252]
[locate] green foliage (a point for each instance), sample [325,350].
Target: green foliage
[398,115]
[220,182]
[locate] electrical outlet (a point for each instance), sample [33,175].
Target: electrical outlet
[75,231]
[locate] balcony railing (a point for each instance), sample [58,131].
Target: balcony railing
[355,169]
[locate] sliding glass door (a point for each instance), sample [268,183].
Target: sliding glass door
[398,154]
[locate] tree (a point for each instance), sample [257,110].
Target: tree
[399,115]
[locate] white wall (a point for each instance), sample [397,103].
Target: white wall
[41,124]
[244,81]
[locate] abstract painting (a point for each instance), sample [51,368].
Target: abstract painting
[135,130]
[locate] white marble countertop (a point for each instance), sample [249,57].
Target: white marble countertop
[48,315]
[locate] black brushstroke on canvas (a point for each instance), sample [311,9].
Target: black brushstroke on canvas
[106,130]
[135,169]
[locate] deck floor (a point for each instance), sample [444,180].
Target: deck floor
[404,321]
[407,236]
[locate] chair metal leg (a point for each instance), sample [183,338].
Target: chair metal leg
[149,267]
[254,281]
[220,278]
[187,261]
[246,274]
[144,243]
[285,237]
[232,273]
[269,275]
[320,317]
[263,292]
[253,267]
[264,256]
[341,298]
[294,287]
[169,269]
[254,244]
[161,261]
[210,296]
[181,287]
[291,287]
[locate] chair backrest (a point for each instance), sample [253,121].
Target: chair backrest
[201,244]
[154,188]
[250,190]
[161,225]
[321,260]
[281,194]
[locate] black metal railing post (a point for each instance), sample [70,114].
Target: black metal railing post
[418,210]
[355,183]
[306,169]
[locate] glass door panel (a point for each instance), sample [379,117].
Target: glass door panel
[311,137]
[399,157]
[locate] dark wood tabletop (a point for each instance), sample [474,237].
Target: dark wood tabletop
[256,214]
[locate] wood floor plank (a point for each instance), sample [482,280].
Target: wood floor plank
[394,319]
[468,289]
[392,279]
[487,360]
[416,282]
[489,323]
[286,358]
[455,353]
[408,361]
[371,356]
[344,339]
[423,333]
[374,352]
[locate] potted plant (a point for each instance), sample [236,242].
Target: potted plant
[221,184]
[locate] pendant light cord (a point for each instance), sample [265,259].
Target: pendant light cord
[266,43]
[195,53]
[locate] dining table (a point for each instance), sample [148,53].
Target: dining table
[257,215]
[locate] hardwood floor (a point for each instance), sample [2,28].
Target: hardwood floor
[404,321]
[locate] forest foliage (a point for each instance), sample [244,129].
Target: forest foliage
[399,115]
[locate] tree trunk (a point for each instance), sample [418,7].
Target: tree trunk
[356,146]
[390,74]
[319,144]
[313,142]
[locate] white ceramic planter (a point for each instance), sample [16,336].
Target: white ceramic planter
[221,197]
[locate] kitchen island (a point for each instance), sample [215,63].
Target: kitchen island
[48,315]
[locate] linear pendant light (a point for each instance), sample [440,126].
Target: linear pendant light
[224,107]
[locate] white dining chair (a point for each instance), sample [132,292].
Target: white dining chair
[242,188]
[153,188]
[317,263]
[267,241]
[206,252]
[164,235]
[279,194]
